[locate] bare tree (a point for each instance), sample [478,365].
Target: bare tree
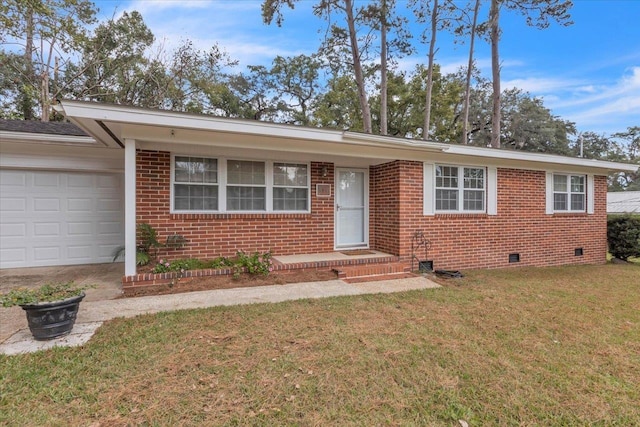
[272,9]
[383,69]
[494,24]
[537,13]
[467,94]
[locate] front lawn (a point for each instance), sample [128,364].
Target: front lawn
[553,346]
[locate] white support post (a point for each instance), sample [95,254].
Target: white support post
[130,206]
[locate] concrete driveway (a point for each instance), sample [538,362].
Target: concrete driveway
[106,277]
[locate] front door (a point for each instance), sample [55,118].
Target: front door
[352,213]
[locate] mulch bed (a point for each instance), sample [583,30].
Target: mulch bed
[228,282]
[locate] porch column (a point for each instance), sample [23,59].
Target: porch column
[130,206]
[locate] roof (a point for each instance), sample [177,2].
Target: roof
[48,128]
[112,124]
[623,202]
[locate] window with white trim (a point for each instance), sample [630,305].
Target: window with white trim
[201,184]
[460,189]
[195,184]
[569,193]
[290,187]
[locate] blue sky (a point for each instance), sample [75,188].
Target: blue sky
[588,73]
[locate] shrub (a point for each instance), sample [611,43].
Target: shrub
[623,235]
[253,264]
[148,244]
[178,265]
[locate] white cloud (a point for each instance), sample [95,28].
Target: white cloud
[605,108]
[236,26]
[536,85]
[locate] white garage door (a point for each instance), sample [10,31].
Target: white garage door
[59,218]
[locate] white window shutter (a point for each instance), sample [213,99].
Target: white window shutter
[492,191]
[428,189]
[549,209]
[590,195]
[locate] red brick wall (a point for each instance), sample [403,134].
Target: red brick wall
[212,235]
[396,212]
[478,241]
[384,207]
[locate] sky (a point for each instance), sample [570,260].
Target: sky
[587,73]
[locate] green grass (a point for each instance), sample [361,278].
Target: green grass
[552,346]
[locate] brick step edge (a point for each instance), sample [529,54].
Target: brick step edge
[371,270]
[150,279]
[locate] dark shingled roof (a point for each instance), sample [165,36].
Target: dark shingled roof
[48,128]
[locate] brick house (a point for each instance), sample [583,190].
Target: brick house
[228,185]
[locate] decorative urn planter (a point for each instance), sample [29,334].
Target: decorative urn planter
[51,308]
[49,320]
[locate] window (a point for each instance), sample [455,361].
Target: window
[460,189]
[569,193]
[290,187]
[201,184]
[246,186]
[195,185]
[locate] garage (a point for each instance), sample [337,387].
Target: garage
[59,218]
[61,196]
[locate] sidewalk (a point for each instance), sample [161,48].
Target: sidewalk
[93,313]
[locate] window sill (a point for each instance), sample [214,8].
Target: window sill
[239,215]
[446,215]
[570,213]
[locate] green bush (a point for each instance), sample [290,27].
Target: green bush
[253,264]
[623,235]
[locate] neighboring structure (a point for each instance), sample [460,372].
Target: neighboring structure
[623,202]
[229,185]
[61,196]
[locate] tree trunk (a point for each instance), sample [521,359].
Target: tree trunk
[26,100]
[383,69]
[467,94]
[357,66]
[495,68]
[44,95]
[432,45]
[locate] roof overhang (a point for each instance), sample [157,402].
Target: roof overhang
[112,124]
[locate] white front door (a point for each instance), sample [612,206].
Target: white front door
[352,210]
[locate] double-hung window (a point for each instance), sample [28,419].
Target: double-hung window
[203,184]
[246,186]
[569,193]
[195,184]
[460,189]
[290,187]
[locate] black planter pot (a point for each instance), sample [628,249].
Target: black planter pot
[52,319]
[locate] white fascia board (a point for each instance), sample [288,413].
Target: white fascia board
[394,142]
[138,116]
[42,138]
[548,159]
[20,156]
[81,111]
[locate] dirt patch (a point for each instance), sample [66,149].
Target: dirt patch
[228,282]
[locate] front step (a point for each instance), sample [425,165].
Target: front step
[373,272]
